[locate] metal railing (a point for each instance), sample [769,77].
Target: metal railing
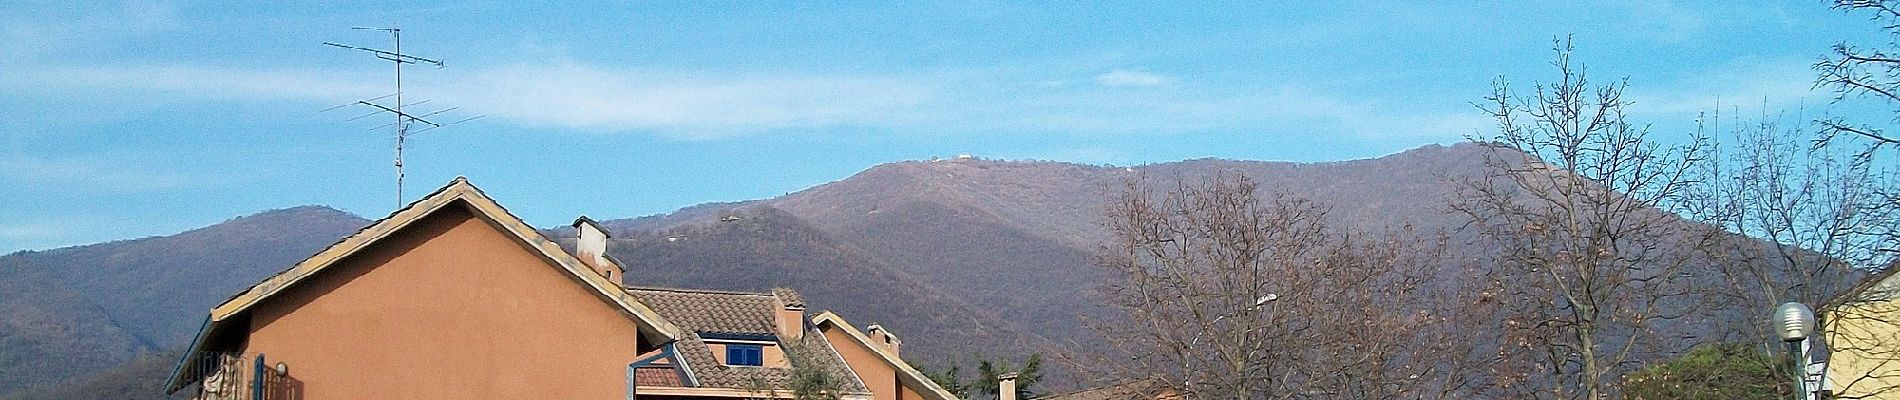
[239,376]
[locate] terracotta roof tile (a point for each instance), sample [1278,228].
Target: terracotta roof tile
[715,312]
[657,376]
[789,297]
[712,312]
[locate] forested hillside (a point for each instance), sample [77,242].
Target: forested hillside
[959,257]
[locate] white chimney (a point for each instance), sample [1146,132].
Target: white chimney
[1006,386]
[590,245]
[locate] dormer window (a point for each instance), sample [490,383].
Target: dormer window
[745,349]
[751,355]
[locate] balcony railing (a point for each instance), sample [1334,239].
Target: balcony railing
[240,376]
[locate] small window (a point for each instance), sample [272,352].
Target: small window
[744,354]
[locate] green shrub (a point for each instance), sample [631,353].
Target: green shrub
[1738,371]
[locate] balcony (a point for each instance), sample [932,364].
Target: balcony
[238,376]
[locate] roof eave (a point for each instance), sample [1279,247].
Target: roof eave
[177,379]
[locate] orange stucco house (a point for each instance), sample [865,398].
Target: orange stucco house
[453,297]
[874,358]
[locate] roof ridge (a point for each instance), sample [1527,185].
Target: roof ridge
[700,291]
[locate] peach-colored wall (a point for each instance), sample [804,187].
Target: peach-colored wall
[448,308]
[790,323]
[877,376]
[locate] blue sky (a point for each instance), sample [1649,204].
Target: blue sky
[124,120]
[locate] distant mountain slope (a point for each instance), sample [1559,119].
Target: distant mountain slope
[766,248]
[141,378]
[1408,187]
[146,284]
[50,332]
[1017,237]
[76,310]
[1034,282]
[956,256]
[1057,201]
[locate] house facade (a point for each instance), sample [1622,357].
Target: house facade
[454,297]
[875,357]
[1862,331]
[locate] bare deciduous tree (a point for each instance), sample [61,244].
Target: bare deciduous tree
[1863,72]
[1861,326]
[1819,212]
[1225,293]
[1574,208]
[1821,216]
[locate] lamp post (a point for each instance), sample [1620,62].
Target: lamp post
[1794,322]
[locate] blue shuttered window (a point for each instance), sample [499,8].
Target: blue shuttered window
[744,354]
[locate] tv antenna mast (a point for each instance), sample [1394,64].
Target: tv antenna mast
[403,119]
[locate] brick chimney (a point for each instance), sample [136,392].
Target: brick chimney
[885,338]
[1006,386]
[590,245]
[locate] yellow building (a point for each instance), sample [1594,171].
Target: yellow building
[1862,332]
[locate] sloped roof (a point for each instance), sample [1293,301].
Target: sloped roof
[710,313]
[789,297]
[703,311]
[905,373]
[657,376]
[457,193]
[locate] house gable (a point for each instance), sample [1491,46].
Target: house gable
[458,192]
[228,320]
[447,309]
[895,378]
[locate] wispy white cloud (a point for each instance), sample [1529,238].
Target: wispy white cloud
[1752,85]
[18,231]
[102,175]
[1664,21]
[1284,109]
[200,83]
[693,106]
[60,26]
[1129,78]
[700,106]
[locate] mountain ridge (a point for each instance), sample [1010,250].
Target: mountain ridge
[144,294]
[970,257]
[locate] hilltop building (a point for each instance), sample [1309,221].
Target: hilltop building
[454,297]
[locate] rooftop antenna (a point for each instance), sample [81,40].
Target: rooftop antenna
[403,119]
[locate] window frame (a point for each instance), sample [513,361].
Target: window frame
[738,352]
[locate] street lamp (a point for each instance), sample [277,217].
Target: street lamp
[1794,322]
